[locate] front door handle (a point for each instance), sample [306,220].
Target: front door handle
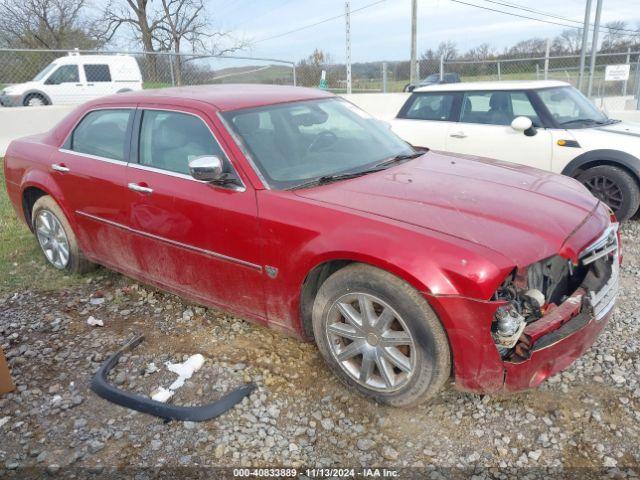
[140,188]
[458,135]
[59,167]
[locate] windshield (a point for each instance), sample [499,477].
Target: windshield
[570,108]
[294,143]
[43,73]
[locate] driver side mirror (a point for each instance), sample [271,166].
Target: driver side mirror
[207,168]
[524,125]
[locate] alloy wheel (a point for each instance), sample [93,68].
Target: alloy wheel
[606,190]
[35,101]
[371,342]
[52,238]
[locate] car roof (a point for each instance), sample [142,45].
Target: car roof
[91,58]
[224,97]
[500,85]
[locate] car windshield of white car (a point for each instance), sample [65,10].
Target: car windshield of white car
[293,144]
[44,72]
[571,109]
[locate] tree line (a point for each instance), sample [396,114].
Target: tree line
[178,26]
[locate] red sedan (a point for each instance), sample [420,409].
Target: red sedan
[295,209]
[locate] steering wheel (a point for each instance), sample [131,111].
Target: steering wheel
[325,135]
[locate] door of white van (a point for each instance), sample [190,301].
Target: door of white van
[64,85]
[99,80]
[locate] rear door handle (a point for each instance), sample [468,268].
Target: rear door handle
[59,167]
[139,188]
[458,135]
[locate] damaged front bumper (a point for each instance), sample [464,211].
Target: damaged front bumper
[546,346]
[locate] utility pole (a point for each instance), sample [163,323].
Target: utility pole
[413,80]
[585,40]
[594,47]
[347,17]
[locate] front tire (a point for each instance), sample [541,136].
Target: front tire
[35,100]
[615,187]
[56,238]
[380,337]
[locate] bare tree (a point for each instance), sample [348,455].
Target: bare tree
[51,24]
[143,22]
[569,41]
[615,38]
[447,49]
[309,70]
[185,24]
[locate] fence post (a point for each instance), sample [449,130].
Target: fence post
[638,84]
[173,80]
[441,67]
[624,87]
[384,77]
[537,71]
[295,80]
[546,59]
[499,72]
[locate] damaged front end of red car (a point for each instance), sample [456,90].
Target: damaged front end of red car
[540,320]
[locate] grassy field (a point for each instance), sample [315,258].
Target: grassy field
[22,264]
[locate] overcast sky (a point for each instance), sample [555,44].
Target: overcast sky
[382,31]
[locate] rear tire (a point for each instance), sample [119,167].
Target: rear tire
[403,355]
[56,238]
[615,187]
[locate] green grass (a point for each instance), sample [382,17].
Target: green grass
[152,85]
[22,265]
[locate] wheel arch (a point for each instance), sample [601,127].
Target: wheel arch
[26,94]
[35,185]
[327,266]
[594,158]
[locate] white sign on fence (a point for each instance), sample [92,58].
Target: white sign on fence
[617,73]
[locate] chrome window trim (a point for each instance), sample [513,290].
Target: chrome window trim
[183,176]
[209,253]
[238,188]
[93,157]
[245,151]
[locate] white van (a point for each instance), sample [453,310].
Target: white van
[76,79]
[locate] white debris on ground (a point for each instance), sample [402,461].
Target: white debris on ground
[162,394]
[94,322]
[184,370]
[188,368]
[4,420]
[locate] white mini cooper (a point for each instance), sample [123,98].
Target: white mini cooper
[543,124]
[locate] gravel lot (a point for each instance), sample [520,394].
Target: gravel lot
[586,419]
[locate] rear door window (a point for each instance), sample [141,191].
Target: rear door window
[102,133]
[429,106]
[97,73]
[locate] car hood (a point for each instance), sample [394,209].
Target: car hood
[623,128]
[523,213]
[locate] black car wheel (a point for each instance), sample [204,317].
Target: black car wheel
[615,187]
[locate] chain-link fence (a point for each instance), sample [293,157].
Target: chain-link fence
[609,94]
[29,77]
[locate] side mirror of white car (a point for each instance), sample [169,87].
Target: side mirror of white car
[524,125]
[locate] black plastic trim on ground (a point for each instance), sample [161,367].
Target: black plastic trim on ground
[104,389]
